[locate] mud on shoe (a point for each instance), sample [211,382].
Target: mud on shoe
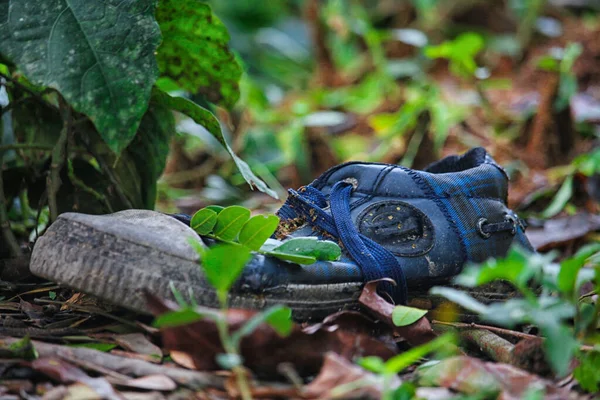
[417,227]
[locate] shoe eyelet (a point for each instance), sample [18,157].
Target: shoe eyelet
[514,220]
[352,181]
[480,223]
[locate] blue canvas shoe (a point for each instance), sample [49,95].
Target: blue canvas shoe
[418,228]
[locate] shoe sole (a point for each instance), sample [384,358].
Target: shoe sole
[117,270]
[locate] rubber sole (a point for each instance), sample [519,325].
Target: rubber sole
[117,270]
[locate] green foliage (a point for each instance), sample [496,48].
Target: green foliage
[461,53]
[205,118]
[73,52]
[278,317]
[587,372]
[306,250]
[204,221]
[22,349]
[551,310]
[230,222]
[257,230]
[404,315]
[194,54]
[561,61]
[561,198]
[183,316]
[81,88]
[223,264]
[233,225]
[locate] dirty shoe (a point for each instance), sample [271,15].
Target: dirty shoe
[417,227]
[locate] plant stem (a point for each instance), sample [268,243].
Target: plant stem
[110,174]
[81,185]
[229,348]
[25,146]
[58,158]
[7,233]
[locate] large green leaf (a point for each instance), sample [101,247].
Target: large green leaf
[35,122]
[98,54]
[149,149]
[137,169]
[194,52]
[205,118]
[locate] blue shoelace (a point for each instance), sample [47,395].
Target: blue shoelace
[373,259]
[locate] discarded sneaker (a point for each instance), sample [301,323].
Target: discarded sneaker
[418,228]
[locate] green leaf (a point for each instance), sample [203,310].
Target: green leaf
[257,230]
[216,209]
[281,320]
[204,221]
[460,298]
[171,319]
[372,363]
[98,55]
[105,347]
[567,276]
[35,122]
[194,52]
[205,118]
[278,317]
[560,343]
[323,250]
[151,143]
[560,200]
[587,372]
[397,363]
[295,258]
[22,349]
[223,264]
[403,315]
[230,221]
[133,172]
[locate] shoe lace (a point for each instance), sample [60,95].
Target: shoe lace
[374,260]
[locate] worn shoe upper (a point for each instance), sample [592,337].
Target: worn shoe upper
[416,227]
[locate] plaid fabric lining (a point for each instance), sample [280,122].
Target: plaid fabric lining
[470,195]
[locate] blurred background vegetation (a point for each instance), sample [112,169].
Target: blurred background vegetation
[328,81]
[403,82]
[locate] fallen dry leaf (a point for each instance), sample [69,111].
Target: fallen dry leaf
[338,371]
[138,343]
[417,333]
[152,382]
[264,349]
[64,372]
[472,376]
[558,231]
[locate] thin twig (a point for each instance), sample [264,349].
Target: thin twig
[501,331]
